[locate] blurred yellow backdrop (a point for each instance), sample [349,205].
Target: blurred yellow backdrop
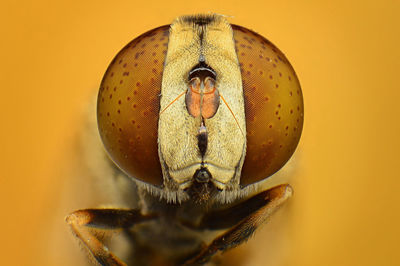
[346,54]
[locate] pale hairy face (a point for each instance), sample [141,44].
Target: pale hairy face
[179,152]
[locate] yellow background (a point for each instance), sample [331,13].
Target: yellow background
[346,54]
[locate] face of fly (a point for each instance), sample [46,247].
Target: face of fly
[200,106]
[201,125]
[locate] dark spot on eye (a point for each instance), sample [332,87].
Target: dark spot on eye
[112,74]
[164,52]
[119,102]
[121,81]
[270,126]
[248,72]
[270,76]
[280,74]
[276,85]
[243,45]
[143,45]
[137,55]
[138,84]
[154,71]
[273,65]
[287,127]
[112,124]
[107,88]
[156,45]
[110,96]
[102,99]
[291,93]
[133,121]
[154,54]
[291,111]
[115,88]
[134,106]
[277,112]
[276,60]
[120,61]
[261,56]
[138,126]
[120,129]
[128,98]
[124,65]
[108,113]
[135,65]
[290,78]
[152,39]
[279,105]
[125,74]
[266,99]
[279,118]
[242,54]
[261,73]
[250,65]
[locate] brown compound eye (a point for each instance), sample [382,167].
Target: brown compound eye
[128,106]
[273,105]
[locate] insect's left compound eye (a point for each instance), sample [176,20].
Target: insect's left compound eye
[273,105]
[128,106]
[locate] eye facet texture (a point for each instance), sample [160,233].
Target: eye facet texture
[273,105]
[128,106]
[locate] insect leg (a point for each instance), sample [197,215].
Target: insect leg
[83,222]
[269,201]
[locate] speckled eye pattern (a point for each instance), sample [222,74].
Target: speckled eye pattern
[273,105]
[129,103]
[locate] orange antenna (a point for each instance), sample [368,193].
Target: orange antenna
[179,96]
[227,105]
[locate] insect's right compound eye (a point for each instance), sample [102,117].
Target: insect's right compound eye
[128,106]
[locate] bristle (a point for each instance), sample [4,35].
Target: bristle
[200,19]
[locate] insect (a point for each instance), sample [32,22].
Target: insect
[195,116]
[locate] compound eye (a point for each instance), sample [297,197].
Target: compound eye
[273,105]
[128,106]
